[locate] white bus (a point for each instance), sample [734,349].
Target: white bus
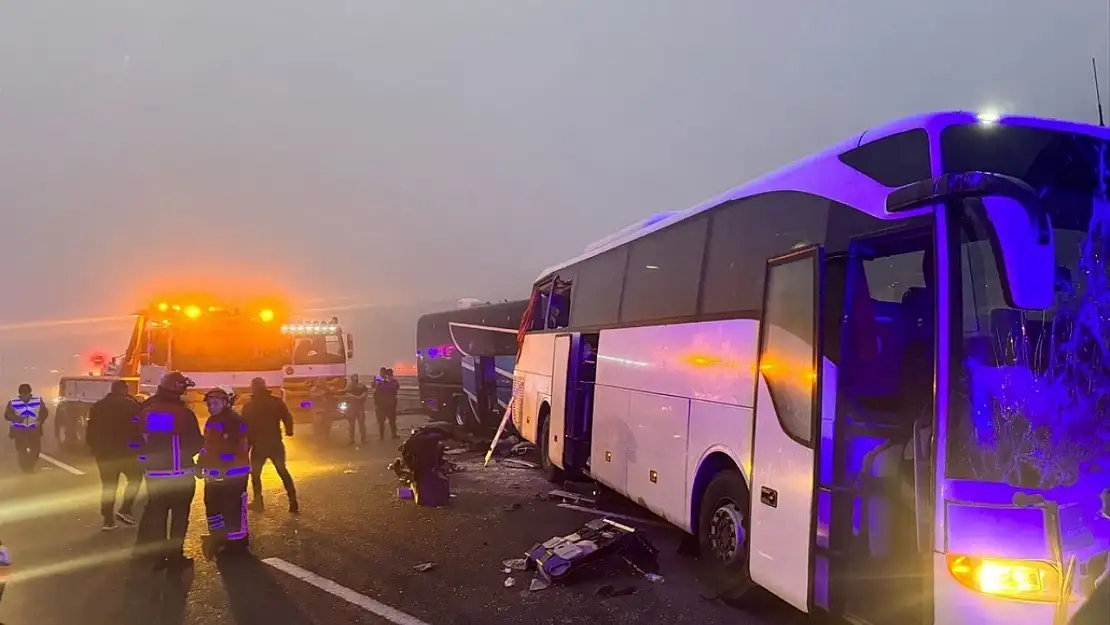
[854,379]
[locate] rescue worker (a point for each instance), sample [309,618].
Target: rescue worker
[385,403]
[5,567]
[170,440]
[265,415]
[357,393]
[324,409]
[225,464]
[113,436]
[26,415]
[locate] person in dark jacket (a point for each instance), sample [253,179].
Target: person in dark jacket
[113,436]
[265,415]
[26,414]
[225,463]
[385,403]
[357,394]
[171,439]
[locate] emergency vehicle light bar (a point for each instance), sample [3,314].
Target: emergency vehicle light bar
[310,328]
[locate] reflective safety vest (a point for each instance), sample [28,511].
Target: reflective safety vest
[27,411]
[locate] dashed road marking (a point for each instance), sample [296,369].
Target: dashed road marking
[61,465]
[378,608]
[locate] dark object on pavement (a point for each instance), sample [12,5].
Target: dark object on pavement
[600,540]
[421,467]
[424,568]
[608,590]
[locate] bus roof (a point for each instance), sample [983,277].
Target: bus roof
[824,174]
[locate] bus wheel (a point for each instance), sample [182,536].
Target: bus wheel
[722,535]
[550,471]
[463,416]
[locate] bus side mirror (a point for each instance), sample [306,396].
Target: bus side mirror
[1023,232]
[350,345]
[1025,252]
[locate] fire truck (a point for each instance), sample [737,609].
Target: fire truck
[214,344]
[319,353]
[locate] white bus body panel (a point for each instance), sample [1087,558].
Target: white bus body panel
[316,371]
[557,419]
[665,398]
[532,374]
[235,379]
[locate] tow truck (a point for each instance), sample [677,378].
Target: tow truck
[319,353]
[211,342]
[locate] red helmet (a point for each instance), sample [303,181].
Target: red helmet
[175,382]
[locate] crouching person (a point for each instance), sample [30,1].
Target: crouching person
[225,465]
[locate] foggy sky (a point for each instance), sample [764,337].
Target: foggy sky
[423,151]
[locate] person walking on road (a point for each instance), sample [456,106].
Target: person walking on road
[171,439]
[385,403]
[265,415]
[26,414]
[114,433]
[357,393]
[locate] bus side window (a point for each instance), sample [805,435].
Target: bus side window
[559,314]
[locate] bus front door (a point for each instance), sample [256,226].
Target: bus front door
[786,418]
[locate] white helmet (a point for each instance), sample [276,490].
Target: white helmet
[231,396]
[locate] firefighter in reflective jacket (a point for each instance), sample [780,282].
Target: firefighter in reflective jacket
[26,415]
[171,438]
[225,464]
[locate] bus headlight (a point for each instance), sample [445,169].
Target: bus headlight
[1024,580]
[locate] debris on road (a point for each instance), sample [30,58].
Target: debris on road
[520,449]
[510,582]
[456,451]
[600,540]
[422,469]
[612,515]
[539,582]
[567,496]
[516,564]
[519,464]
[608,590]
[424,568]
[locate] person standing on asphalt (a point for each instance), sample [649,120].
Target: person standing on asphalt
[385,403]
[113,435]
[225,465]
[265,415]
[171,439]
[26,415]
[357,394]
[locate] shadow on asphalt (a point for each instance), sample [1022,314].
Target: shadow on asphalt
[253,594]
[152,597]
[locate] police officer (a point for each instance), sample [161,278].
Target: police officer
[225,465]
[357,394]
[171,439]
[26,415]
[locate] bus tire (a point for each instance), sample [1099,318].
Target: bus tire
[550,471]
[722,533]
[464,416]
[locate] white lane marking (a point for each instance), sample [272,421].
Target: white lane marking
[61,465]
[392,615]
[612,515]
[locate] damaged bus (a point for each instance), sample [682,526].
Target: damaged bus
[875,383]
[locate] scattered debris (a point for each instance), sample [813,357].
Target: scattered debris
[510,582]
[653,578]
[608,590]
[539,582]
[612,515]
[511,507]
[519,464]
[558,558]
[507,571]
[569,496]
[516,564]
[456,451]
[404,493]
[520,449]
[424,568]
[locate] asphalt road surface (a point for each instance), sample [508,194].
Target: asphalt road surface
[349,557]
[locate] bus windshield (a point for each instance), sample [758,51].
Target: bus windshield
[230,346]
[1029,402]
